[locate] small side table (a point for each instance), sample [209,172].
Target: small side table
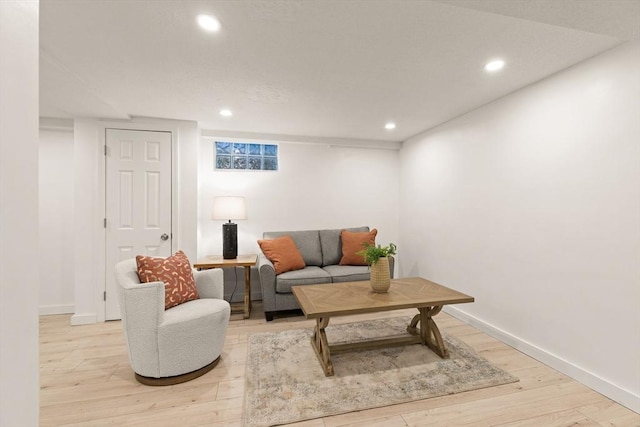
[246,261]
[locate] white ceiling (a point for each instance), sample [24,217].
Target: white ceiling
[318,68]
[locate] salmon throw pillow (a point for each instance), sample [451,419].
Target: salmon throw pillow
[283,253]
[175,272]
[353,242]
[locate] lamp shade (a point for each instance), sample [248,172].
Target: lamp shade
[229,207]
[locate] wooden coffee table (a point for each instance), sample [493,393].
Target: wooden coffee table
[321,302]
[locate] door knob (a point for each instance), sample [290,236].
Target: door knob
[164,236]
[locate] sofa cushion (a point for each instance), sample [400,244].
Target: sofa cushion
[353,243]
[175,271]
[307,276]
[332,244]
[307,241]
[347,273]
[283,253]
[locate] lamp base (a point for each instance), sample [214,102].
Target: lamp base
[229,240]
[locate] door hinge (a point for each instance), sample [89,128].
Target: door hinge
[104,296]
[105,150]
[104,223]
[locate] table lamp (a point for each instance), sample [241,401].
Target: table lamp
[228,208]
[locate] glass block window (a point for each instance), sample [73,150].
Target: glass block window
[246,156]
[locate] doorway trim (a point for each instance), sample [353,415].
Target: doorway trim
[110,301]
[90,280]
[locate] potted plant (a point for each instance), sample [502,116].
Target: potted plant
[377,257]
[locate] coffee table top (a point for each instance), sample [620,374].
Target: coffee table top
[340,299]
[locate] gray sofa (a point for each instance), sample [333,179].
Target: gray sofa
[322,251]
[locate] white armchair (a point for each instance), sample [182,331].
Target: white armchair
[178,344]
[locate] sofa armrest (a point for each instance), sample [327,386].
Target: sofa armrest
[392,264]
[210,283]
[267,273]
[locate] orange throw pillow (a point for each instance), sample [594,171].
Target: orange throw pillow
[353,242]
[283,253]
[175,272]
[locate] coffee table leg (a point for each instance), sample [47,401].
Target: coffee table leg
[412,328]
[428,331]
[321,345]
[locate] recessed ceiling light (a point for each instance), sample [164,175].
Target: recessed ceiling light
[209,23]
[226,113]
[495,65]
[390,126]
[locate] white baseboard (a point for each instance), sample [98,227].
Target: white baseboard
[83,319]
[45,310]
[591,380]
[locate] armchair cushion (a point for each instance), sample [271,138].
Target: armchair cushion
[353,242]
[175,272]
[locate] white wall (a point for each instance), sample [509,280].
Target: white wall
[532,205]
[56,220]
[317,186]
[89,209]
[19,386]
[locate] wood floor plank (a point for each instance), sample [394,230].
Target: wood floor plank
[134,405]
[308,423]
[183,415]
[507,408]
[86,380]
[566,418]
[230,389]
[395,421]
[608,413]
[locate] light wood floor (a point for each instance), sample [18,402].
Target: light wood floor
[86,380]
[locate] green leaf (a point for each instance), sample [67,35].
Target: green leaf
[372,253]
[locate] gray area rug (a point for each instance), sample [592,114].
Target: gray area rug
[285,383]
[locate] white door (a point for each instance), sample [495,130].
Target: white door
[138,201]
